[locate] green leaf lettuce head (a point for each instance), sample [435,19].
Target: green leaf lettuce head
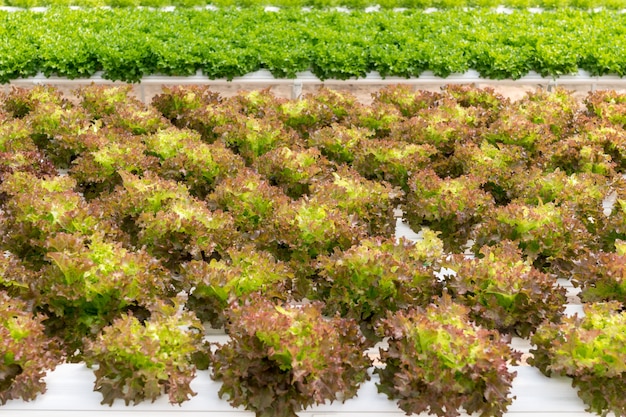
[282,359]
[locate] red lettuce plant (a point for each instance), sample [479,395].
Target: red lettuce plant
[576,154]
[117,107]
[163,217]
[391,161]
[607,105]
[140,360]
[196,108]
[590,350]
[438,362]
[41,207]
[255,103]
[582,193]
[377,117]
[186,229]
[184,157]
[103,100]
[551,236]
[26,353]
[406,99]
[602,275]
[246,270]
[283,359]
[452,206]
[536,121]
[496,166]
[372,203]
[15,136]
[379,275]
[50,122]
[339,143]
[483,98]
[307,229]
[612,139]
[15,278]
[252,202]
[294,170]
[504,291]
[98,170]
[317,110]
[89,281]
[176,102]
[32,162]
[442,126]
[252,137]
[18,102]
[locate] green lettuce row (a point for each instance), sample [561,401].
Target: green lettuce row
[127,44]
[353,4]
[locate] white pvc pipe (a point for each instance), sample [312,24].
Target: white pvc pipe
[307,77]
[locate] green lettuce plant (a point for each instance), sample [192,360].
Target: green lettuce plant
[27,354]
[590,350]
[438,361]
[503,290]
[282,359]
[137,359]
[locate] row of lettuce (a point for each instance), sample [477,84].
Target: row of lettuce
[325,4]
[128,44]
[126,228]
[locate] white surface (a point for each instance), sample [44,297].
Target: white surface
[70,394]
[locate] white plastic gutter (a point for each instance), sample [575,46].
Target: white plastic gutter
[265,78]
